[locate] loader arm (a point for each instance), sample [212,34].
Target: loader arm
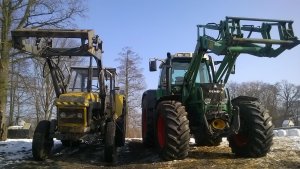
[38,42]
[236,36]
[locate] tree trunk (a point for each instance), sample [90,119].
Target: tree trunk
[4,63]
[12,96]
[286,113]
[126,94]
[3,90]
[132,82]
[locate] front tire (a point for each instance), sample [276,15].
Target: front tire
[255,136]
[172,130]
[42,143]
[110,151]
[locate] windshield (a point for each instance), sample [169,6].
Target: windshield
[79,80]
[180,68]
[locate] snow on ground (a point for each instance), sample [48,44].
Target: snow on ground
[17,150]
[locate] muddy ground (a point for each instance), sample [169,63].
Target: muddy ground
[284,154]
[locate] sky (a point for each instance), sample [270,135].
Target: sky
[153,28]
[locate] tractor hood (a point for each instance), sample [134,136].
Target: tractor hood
[76,99]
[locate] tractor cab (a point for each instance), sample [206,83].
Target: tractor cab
[180,66]
[83,78]
[86,79]
[174,68]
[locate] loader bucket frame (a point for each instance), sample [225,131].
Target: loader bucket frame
[235,36]
[41,46]
[91,45]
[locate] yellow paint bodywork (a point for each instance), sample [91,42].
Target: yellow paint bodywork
[81,100]
[76,100]
[80,126]
[119,104]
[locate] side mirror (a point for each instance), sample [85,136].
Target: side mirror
[152,66]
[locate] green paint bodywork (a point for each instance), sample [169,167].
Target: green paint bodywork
[234,38]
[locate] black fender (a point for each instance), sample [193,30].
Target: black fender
[149,96]
[239,99]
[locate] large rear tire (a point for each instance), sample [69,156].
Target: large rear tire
[172,130]
[110,151]
[147,125]
[42,143]
[255,136]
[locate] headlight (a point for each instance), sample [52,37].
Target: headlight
[62,115]
[207,100]
[79,115]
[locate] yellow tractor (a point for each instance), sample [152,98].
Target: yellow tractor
[88,103]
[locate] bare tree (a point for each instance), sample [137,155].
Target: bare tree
[289,95]
[296,110]
[233,88]
[18,87]
[132,81]
[266,93]
[29,13]
[42,91]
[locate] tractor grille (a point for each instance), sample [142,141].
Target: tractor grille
[71,115]
[215,92]
[71,120]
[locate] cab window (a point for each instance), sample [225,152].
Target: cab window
[180,68]
[163,82]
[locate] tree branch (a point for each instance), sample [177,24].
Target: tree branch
[26,13]
[16,6]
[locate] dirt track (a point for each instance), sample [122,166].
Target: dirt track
[134,155]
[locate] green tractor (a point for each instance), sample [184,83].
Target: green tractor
[89,106]
[192,98]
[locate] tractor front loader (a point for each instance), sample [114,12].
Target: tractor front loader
[192,99]
[87,99]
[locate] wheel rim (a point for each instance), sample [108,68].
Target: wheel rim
[144,123]
[240,140]
[161,131]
